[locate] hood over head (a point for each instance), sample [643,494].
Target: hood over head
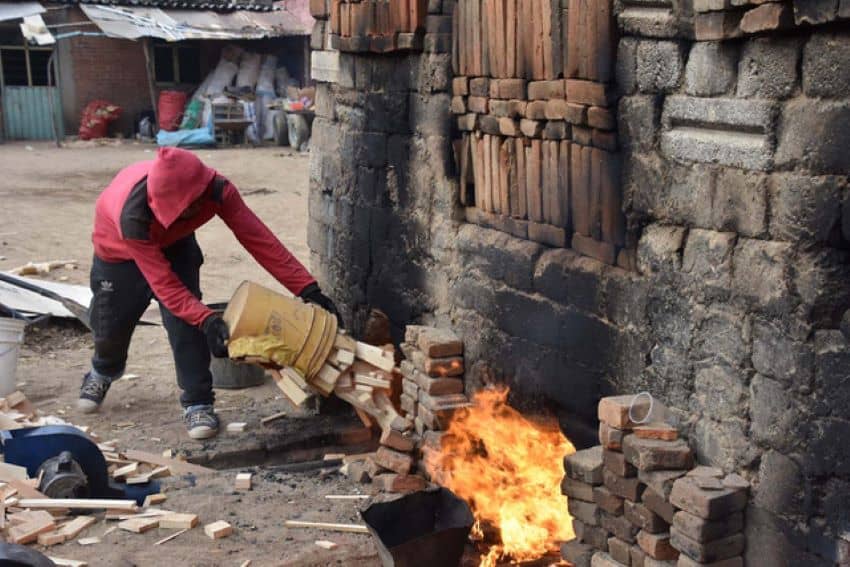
[175,180]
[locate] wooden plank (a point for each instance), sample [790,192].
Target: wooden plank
[75,527]
[564,185]
[353,528]
[521,38]
[138,525]
[457,67]
[344,342]
[177,520]
[580,185]
[539,57]
[376,356]
[9,471]
[474,143]
[174,465]
[466,170]
[545,189]
[613,220]
[77,503]
[218,530]
[372,381]
[522,194]
[289,387]
[533,159]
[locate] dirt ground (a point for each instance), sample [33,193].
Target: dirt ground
[47,197]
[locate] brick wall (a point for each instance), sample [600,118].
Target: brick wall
[734,185]
[100,68]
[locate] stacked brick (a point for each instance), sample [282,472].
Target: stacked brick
[725,19]
[376,26]
[636,499]
[538,152]
[432,383]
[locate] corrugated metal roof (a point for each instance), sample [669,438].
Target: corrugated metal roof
[18,10]
[176,25]
[218,5]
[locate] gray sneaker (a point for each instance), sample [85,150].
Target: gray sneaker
[92,392]
[201,421]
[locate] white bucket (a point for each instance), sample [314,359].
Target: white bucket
[11,337]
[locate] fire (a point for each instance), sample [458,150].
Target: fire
[509,470]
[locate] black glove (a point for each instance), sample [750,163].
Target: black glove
[217,334]
[313,294]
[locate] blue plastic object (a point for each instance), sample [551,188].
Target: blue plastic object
[32,446]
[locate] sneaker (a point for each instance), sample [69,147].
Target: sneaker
[201,421]
[92,392]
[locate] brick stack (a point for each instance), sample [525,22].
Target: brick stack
[637,501]
[534,101]
[376,26]
[432,384]
[718,20]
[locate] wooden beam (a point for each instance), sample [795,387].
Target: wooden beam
[352,528]
[78,503]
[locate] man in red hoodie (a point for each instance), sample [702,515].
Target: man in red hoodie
[145,247]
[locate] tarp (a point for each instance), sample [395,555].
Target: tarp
[34,29]
[292,18]
[18,10]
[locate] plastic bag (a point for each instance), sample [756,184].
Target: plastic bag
[97,115]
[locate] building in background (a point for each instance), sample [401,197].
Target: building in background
[99,53]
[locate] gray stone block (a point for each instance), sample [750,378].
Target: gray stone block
[740,202]
[577,490]
[585,512]
[774,413]
[706,504]
[619,526]
[780,357]
[825,69]
[708,552]
[803,207]
[660,248]
[720,391]
[761,272]
[723,444]
[638,120]
[702,530]
[768,67]
[815,11]
[660,482]
[648,19]
[722,336]
[577,553]
[814,134]
[567,278]
[832,362]
[708,257]
[430,114]
[656,454]
[711,68]
[585,465]
[644,518]
[626,67]
[660,66]
[780,485]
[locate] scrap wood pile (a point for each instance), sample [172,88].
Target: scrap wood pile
[308,355]
[28,516]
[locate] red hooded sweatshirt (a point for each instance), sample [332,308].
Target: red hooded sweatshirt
[138,215]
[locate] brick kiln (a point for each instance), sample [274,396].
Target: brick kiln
[702,255]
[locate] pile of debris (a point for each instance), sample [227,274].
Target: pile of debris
[28,516]
[637,499]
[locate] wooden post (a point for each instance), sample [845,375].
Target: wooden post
[146,45]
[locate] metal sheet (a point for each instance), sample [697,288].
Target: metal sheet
[17,10]
[26,113]
[176,25]
[30,302]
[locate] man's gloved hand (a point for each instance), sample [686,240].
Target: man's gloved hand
[313,294]
[217,334]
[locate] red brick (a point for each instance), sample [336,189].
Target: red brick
[657,546]
[395,461]
[614,410]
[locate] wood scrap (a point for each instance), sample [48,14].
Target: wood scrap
[78,503]
[61,562]
[345,342]
[352,528]
[139,525]
[28,532]
[290,388]
[174,465]
[236,427]
[373,380]
[325,544]
[176,520]
[51,538]
[125,471]
[8,472]
[375,356]
[89,540]
[218,530]
[73,528]
[243,481]
[154,499]
[274,417]
[172,536]
[347,496]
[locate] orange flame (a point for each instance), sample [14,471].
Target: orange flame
[509,470]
